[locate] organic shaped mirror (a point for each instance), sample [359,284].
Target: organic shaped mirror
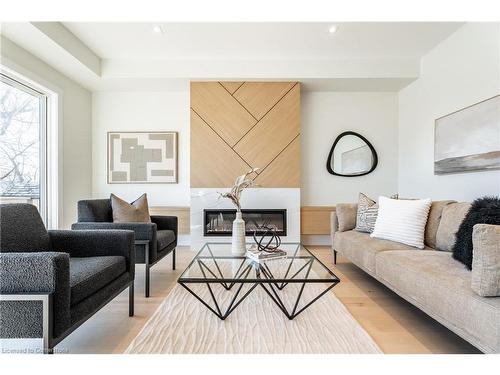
[351,155]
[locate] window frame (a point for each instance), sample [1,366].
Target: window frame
[48,206]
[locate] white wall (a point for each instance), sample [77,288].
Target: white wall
[141,111]
[460,71]
[327,114]
[75,111]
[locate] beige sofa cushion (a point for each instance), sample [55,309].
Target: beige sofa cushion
[361,249]
[433,222]
[346,216]
[441,286]
[451,218]
[486,260]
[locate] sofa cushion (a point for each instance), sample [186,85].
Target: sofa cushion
[402,220]
[486,260]
[451,218]
[361,249]
[441,286]
[346,216]
[88,275]
[164,238]
[366,215]
[433,221]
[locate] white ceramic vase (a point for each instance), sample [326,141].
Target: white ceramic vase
[238,239]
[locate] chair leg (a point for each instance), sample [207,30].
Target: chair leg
[131,299]
[334,256]
[147,281]
[146,261]
[173,260]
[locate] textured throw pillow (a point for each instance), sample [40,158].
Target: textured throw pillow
[402,220]
[367,214]
[482,211]
[486,260]
[135,212]
[451,218]
[346,216]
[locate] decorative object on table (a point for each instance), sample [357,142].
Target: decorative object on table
[484,210]
[274,240]
[267,246]
[142,157]
[256,255]
[242,182]
[402,220]
[467,140]
[135,212]
[351,155]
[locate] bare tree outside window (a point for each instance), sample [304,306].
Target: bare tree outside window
[19,145]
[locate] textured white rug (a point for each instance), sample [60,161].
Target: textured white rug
[257,326]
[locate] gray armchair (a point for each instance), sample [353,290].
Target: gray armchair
[153,240]
[51,282]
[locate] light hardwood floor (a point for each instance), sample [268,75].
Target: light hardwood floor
[395,325]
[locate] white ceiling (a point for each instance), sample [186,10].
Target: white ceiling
[360,56]
[261,41]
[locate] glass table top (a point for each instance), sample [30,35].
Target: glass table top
[215,263]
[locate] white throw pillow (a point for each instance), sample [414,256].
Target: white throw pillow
[402,220]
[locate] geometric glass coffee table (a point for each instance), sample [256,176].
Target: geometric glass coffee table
[221,281]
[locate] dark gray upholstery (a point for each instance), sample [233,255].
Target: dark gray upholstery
[164,238]
[95,210]
[44,272]
[81,270]
[97,214]
[88,275]
[85,243]
[143,231]
[32,237]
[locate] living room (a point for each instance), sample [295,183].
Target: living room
[207,186]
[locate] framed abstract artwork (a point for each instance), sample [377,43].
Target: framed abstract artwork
[469,139]
[142,157]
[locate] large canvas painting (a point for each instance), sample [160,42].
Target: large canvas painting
[142,157]
[468,139]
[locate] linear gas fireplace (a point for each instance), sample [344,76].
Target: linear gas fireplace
[220,222]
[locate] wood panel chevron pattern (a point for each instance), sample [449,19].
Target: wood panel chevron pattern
[240,125]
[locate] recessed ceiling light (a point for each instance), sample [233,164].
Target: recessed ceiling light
[333,29]
[157,29]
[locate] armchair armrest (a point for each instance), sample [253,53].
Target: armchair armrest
[34,273]
[166,222]
[143,231]
[485,275]
[86,243]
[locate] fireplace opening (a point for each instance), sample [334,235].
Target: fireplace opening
[220,222]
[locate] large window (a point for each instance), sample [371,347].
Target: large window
[23,151]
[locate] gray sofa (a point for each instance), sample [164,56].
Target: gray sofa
[430,279]
[51,282]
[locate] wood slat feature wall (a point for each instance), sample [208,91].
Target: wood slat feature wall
[315,219]
[182,214]
[236,126]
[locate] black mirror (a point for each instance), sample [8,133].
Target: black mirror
[351,155]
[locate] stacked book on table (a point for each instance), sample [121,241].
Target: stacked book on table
[255,255]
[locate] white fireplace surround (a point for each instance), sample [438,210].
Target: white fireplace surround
[256,198]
